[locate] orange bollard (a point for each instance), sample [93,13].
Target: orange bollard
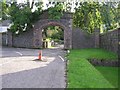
[40,55]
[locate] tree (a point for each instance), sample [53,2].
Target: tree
[87,16]
[56,12]
[22,16]
[53,32]
[4,10]
[109,15]
[91,15]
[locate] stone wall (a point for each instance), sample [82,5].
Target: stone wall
[4,38]
[73,37]
[23,40]
[81,39]
[109,40]
[0,45]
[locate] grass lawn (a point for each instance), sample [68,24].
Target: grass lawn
[81,74]
[110,73]
[93,53]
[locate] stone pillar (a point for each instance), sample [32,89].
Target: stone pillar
[37,37]
[0,39]
[70,33]
[10,39]
[118,51]
[97,37]
[0,47]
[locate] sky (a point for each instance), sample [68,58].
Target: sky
[44,2]
[47,1]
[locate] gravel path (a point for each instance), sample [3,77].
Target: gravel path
[21,70]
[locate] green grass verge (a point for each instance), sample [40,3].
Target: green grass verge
[93,53]
[81,74]
[110,73]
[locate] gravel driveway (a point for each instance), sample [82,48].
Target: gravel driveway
[21,70]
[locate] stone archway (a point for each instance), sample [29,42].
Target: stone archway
[33,37]
[73,37]
[38,34]
[65,23]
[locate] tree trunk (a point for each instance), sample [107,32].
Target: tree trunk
[28,3]
[32,4]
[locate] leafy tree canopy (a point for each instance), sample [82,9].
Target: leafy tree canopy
[87,15]
[4,11]
[56,12]
[53,32]
[23,17]
[91,15]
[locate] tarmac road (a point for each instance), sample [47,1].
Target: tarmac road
[21,70]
